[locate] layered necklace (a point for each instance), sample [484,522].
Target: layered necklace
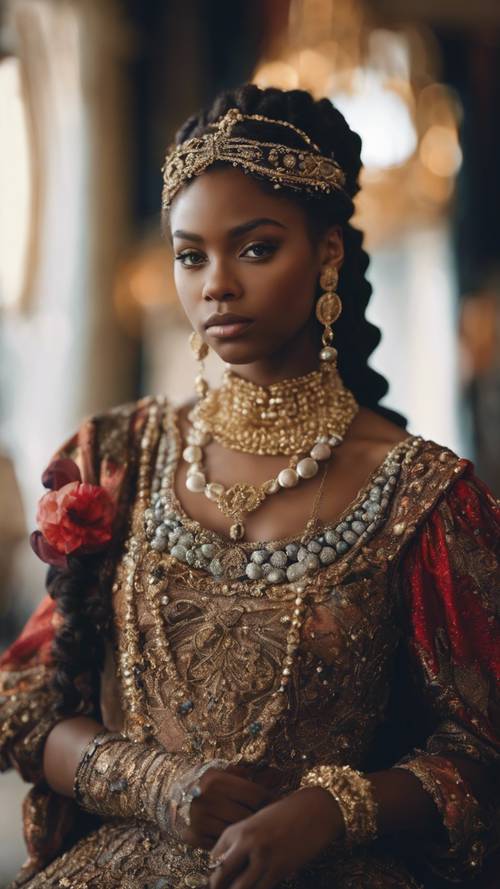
[303,418]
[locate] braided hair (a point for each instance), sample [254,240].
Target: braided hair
[356,337]
[78,647]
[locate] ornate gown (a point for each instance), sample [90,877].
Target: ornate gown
[398,660]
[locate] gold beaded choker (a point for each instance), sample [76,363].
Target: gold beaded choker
[287,417]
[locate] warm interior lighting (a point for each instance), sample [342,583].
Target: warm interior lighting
[440,151]
[366,108]
[15,185]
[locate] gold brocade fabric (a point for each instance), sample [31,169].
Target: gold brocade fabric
[228,645]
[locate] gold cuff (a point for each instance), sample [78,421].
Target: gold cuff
[354,795]
[120,778]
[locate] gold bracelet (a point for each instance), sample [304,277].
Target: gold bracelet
[121,778]
[354,795]
[458,808]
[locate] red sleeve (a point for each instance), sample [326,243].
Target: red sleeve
[451,577]
[450,581]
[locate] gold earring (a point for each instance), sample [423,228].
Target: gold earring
[328,309]
[200,351]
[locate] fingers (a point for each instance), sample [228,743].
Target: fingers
[239,790]
[220,807]
[234,863]
[251,877]
[203,834]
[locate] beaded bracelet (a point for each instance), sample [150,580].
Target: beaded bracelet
[354,795]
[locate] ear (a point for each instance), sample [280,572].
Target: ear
[332,247]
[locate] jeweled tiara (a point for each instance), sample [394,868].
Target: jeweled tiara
[301,169]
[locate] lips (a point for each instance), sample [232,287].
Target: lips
[227,325]
[225,318]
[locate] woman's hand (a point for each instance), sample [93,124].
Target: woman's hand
[275,843]
[228,796]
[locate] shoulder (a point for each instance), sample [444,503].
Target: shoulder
[438,498]
[108,437]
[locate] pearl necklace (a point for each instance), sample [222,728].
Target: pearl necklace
[242,497]
[267,420]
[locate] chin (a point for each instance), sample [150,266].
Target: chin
[240,351]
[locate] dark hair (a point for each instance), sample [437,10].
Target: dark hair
[78,648]
[355,337]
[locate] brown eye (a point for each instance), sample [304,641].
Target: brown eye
[261,250]
[184,256]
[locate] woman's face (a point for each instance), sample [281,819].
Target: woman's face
[245,253]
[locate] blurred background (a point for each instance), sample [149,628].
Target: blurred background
[91,93]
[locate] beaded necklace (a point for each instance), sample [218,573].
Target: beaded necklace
[131,664]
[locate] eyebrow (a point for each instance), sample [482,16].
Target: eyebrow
[233,232]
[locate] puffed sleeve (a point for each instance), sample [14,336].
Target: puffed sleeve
[28,697]
[450,581]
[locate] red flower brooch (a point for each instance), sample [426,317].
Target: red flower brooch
[74,518]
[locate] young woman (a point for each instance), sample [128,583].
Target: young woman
[269,653]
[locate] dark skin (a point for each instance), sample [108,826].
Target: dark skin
[267,272]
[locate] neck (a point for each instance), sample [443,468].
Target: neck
[297,357]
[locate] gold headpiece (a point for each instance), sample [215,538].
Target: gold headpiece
[299,169]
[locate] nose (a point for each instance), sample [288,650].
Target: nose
[220,285]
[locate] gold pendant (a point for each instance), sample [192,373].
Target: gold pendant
[240,498]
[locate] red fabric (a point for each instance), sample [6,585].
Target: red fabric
[32,647]
[453,577]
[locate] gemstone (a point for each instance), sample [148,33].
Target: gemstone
[159,544]
[332,537]
[358,527]
[375,493]
[194,467]
[259,556]
[279,559]
[302,554]
[276,575]
[192,454]
[291,550]
[399,528]
[253,571]
[350,537]
[328,354]
[272,486]
[327,555]
[214,490]
[255,728]
[341,547]
[307,468]
[196,482]
[208,550]
[321,451]
[199,437]
[179,552]
[237,531]
[186,539]
[296,571]
[314,547]
[215,568]
[311,562]
[288,478]
[185,707]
